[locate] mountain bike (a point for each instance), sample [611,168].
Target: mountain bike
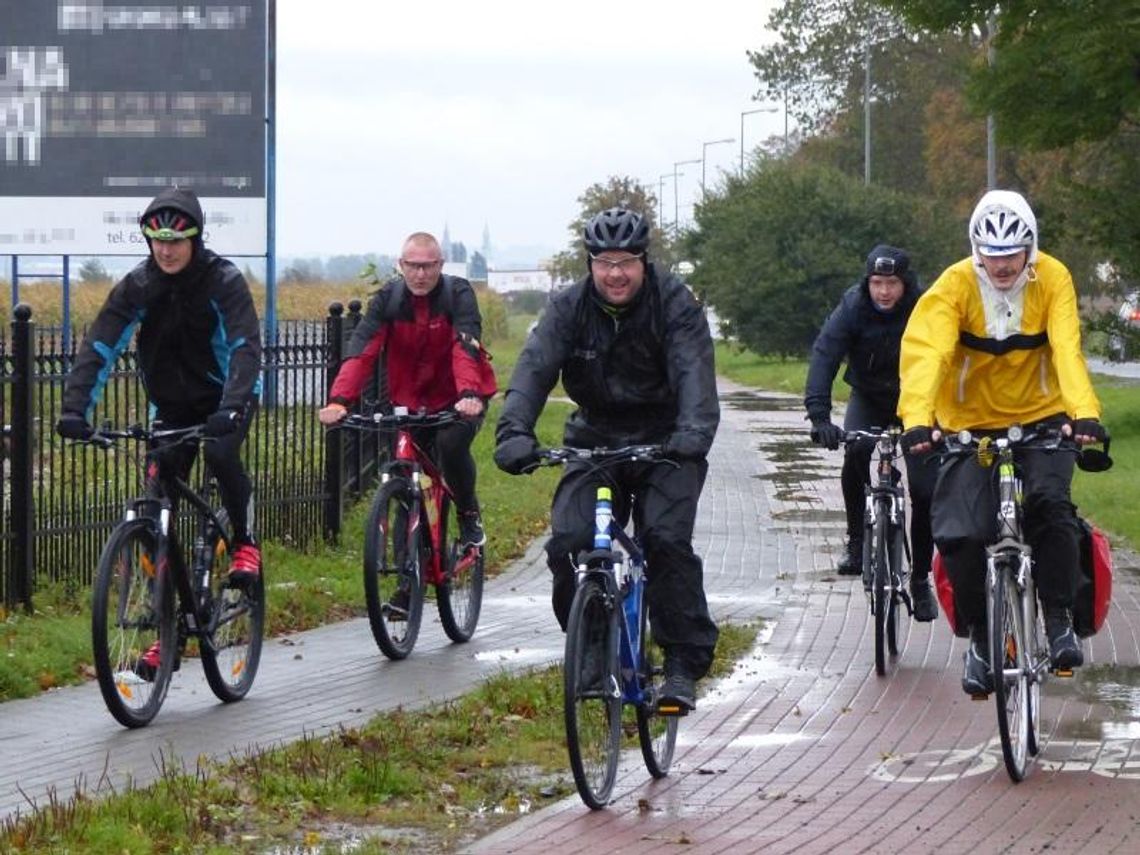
[153,593]
[1019,655]
[886,554]
[610,660]
[411,539]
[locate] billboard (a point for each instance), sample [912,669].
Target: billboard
[104,104]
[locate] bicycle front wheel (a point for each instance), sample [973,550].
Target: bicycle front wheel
[895,556]
[1009,665]
[592,697]
[231,650]
[133,635]
[656,733]
[882,597]
[393,589]
[460,596]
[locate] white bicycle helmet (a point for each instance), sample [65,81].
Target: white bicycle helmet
[1003,224]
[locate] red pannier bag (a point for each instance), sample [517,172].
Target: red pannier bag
[1094,585]
[945,592]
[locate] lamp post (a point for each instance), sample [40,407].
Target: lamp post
[771,108]
[661,195]
[679,163]
[704,150]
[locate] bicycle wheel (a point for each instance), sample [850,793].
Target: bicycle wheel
[656,733]
[1007,661]
[393,589]
[895,567]
[460,596]
[231,651]
[1036,653]
[132,612]
[881,594]
[592,699]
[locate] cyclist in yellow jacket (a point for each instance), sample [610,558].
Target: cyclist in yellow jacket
[994,342]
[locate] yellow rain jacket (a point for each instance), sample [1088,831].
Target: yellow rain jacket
[966,364]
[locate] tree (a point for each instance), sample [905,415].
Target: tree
[478,266]
[93,272]
[774,253]
[617,192]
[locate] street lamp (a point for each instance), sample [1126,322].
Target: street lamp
[771,108]
[704,149]
[676,220]
[661,194]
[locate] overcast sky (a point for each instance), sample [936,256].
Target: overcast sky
[397,117]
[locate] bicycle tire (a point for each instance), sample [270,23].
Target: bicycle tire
[592,703]
[132,609]
[895,567]
[1008,666]
[393,587]
[881,595]
[656,733]
[231,651]
[1035,652]
[459,597]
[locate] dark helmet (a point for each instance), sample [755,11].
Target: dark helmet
[886,260]
[616,228]
[172,215]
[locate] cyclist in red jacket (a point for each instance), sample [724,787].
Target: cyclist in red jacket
[427,325]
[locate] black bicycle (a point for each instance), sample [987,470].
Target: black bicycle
[886,554]
[610,659]
[154,594]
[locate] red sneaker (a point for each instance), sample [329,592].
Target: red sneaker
[245,563]
[147,664]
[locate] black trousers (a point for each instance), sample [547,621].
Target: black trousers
[965,520]
[223,456]
[921,474]
[452,444]
[664,503]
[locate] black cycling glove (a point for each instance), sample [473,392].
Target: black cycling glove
[221,423]
[73,426]
[827,434]
[917,435]
[1090,427]
[517,454]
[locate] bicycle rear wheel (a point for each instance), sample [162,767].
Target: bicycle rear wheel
[460,596]
[231,652]
[132,615]
[882,597]
[1009,666]
[592,698]
[393,589]
[656,733]
[895,566]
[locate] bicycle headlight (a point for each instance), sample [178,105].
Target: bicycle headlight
[1015,433]
[965,437]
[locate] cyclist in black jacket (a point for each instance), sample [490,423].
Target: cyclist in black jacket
[866,330]
[634,352]
[199,350]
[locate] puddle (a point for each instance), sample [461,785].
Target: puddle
[811,515]
[760,402]
[517,654]
[1113,691]
[765,740]
[789,451]
[799,474]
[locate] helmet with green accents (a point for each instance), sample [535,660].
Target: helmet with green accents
[174,214]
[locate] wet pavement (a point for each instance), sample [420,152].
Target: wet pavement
[802,749]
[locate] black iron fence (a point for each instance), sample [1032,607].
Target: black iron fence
[61,500]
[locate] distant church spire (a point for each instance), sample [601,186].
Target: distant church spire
[486,242]
[446,244]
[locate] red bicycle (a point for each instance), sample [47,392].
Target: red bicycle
[412,539]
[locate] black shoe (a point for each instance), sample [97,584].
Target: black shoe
[471,529]
[400,604]
[922,600]
[976,676]
[1064,649]
[678,694]
[592,669]
[852,563]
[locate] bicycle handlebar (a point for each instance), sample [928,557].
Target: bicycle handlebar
[558,455]
[105,436]
[398,421]
[875,433]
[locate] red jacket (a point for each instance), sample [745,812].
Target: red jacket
[432,347]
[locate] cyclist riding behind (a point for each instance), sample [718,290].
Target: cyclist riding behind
[428,327]
[866,329]
[199,351]
[634,351]
[995,342]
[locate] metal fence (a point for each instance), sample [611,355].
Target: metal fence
[61,500]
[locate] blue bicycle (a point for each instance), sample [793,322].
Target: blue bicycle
[610,660]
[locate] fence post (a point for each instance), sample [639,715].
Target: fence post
[21,568]
[334,439]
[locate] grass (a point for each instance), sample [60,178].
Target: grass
[425,780]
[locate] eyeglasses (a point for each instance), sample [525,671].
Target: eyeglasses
[625,265]
[420,266]
[884,266]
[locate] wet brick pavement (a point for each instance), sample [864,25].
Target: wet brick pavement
[802,749]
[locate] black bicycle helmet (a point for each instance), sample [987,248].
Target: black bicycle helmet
[616,228]
[172,215]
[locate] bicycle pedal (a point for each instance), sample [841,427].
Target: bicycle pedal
[673,710]
[1063,672]
[980,696]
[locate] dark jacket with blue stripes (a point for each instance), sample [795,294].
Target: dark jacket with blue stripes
[199,339]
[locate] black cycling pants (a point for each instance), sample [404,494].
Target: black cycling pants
[921,473]
[665,500]
[965,520]
[452,444]
[223,456]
